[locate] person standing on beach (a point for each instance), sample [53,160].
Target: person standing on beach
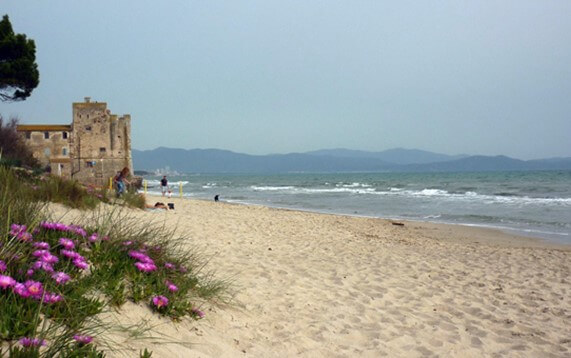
[164,185]
[121,181]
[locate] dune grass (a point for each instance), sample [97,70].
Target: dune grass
[56,278]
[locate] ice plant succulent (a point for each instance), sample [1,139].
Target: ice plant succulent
[160,301]
[66,243]
[6,281]
[35,288]
[145,267]
[145,263]
[41,265]
[42,245]
[45,256]
[20,232]
[61,277]
[32,342]
[21,290]
[65,228]
[82,339]
[138,255]
[50,297]
[171,286]
[198,313]
[80,263]
[70,254]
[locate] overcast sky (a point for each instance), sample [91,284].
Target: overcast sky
[262,76]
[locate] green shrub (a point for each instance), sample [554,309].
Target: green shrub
[55,279]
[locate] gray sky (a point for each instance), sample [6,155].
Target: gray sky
[264,76]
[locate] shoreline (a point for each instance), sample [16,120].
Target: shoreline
[491,234]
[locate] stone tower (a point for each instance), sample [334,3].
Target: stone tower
[100,142]
[92,149]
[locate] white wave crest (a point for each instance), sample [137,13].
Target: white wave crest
[271,188]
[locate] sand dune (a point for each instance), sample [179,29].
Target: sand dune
[313,285]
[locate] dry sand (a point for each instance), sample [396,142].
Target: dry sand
[313,285]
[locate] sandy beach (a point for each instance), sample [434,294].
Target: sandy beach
[315,285]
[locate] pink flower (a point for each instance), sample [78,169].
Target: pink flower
[198,312]
[2,266]
[16,229]
[52,298]
[6,281]
[67,243]
[39,253]
[169,266]
[77,230]
[25,236]
[127,243]
[53,226]
[21,290]
[137,255]
[32,342]
[42,265]
[145,267]
[160,301]
[45,256]
[80,263]
[35,288]
[70,254]
[61,277]
[42,245]
[93,237]
[62,227]
[82,340]
[171,286]
[20,232]
[49,258]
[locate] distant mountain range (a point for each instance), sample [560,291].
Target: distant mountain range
[332,160]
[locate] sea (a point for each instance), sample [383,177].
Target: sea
[529,203]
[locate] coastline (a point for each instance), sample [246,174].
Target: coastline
[323,285]
[534,204]
[489,234]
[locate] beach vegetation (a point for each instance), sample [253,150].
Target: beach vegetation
[19,74]
[13,149]
[30,186]
[133,199]
[56,279]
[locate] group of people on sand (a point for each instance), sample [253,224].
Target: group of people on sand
[120,183]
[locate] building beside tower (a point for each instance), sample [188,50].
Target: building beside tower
[92,149]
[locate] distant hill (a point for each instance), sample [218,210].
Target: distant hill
[395,156]
[330,160]
[489,163]
[224,161]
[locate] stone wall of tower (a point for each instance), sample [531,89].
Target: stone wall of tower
[100,143]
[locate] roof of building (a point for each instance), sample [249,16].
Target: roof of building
[43,127]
